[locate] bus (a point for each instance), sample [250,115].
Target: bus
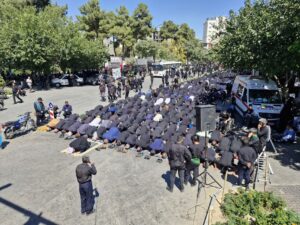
[160,69]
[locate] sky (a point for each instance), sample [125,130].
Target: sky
[192,12]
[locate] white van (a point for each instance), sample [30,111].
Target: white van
[160,69]
[264,97]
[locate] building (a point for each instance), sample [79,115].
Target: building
[211,29]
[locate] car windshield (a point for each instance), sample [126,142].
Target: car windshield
[63,76]
[157,67]
[264,96]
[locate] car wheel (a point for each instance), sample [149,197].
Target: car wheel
[57,85]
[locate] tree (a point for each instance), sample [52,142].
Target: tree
[91,18]
[106,24]
[142,22]
[185,33]
[168,30]
[38,4]
[122,31]
[263,36]
[147,48]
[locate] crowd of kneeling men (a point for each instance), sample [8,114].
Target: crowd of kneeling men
[163,122]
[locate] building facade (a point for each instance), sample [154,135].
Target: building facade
[211,28]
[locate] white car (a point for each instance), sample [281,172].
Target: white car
[64,81]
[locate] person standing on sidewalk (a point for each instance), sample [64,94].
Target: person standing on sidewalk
[178,155]
[16,93]
[29,84]
[84,172]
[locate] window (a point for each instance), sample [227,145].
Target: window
[240,91]
[264,96]
[245,95]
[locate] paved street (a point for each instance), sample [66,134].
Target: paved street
[38,184]
[82,98]
[286,166]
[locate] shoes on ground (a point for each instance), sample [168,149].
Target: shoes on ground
[169,189]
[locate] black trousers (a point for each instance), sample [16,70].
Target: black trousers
[18,97]
[188,171]
[67,114]
[86,196]
[40,118]
[173,177]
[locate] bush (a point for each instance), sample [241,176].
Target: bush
[2,82]
[8,91]
[256,208]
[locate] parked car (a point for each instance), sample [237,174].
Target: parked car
[92,80]
[65,79]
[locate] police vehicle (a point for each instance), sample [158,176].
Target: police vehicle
[263,95]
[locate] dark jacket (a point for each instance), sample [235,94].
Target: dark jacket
[84,172]
[246,155]
[263,134]
[196,152]
[178,155]
[67,109]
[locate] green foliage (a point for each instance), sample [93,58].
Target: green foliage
[147,48]
[38,4]
[263,35]
[39,38]
[142,22]
[122,30]
[91,16]
[2,82]
[181,42]
[256,208]
[43,41]
[168,30]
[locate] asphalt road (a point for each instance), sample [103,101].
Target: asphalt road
[38,184]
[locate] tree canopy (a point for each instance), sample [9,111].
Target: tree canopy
[263,35]
[38,37]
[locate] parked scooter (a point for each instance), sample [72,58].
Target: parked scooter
[23,125]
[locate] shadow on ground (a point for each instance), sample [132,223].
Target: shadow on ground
[33,219]
[288,155]
[166,177]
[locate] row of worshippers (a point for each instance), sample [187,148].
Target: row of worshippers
[146,121]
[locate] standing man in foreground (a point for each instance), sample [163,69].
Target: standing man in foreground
[84,172]
[178,155]
[40,111]
[16,93]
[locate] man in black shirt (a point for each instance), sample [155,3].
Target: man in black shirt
[196,148]
[247,157]
[16,93]
[84,172]
[263,132]
[177,156]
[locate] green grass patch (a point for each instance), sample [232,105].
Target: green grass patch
[257,208]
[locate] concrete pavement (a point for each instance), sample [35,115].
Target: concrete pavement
[38,183]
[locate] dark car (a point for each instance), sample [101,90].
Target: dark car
[92,80]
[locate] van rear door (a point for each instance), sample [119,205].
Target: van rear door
[241,99]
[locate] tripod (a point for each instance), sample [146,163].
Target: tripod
[203,183]
[205,173]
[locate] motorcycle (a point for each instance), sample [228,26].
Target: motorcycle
[23,125]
